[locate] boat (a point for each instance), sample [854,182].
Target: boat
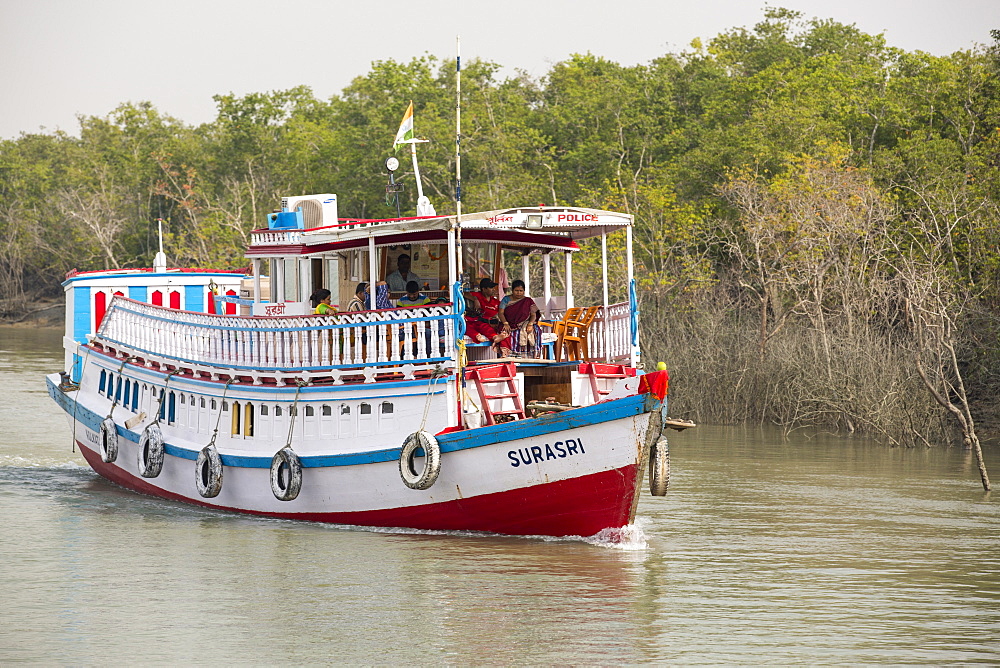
[224,389]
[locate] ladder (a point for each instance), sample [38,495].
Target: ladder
[493,375]
[599,371]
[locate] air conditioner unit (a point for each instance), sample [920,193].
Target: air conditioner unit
[317,210]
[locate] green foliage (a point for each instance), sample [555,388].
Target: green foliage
[764,165]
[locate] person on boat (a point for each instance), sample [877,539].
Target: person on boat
[361,301]
[519,315]
[320,301]
[482,321]
[398,279]
[413,297]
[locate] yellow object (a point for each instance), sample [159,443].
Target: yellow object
[661,366]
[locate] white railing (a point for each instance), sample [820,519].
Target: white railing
[612,342]
[257,345]
[275,237]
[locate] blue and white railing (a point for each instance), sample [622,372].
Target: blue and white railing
[420,337]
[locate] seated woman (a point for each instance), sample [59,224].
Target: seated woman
[320,301]
[481,319]
[519,315]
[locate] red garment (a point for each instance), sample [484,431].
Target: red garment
[488,306]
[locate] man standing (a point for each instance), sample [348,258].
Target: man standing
[398,279]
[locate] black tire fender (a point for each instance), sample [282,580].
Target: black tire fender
[208,472]
[432,460]
[109,441]
[150,451]
[659,467]
[286,474]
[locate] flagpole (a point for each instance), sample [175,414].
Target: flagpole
[460,376]
[416,170]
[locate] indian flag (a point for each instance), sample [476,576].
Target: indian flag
[405,134]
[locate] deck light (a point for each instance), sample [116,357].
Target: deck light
[534,221]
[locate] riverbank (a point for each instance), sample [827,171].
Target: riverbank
[41,313]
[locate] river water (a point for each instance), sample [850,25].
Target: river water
[819,550]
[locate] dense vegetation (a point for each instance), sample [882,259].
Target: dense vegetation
[817,212]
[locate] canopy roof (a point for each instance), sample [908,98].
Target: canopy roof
[570,222]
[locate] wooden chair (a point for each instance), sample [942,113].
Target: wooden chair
[578,334]
[559,329]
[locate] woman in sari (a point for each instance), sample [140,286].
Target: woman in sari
[519,316]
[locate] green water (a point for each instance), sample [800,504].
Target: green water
[808,551]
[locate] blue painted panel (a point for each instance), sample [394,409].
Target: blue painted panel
[194,298]
[76,373]
[138,293]
[81,313]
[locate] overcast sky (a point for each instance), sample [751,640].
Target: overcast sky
[61,58]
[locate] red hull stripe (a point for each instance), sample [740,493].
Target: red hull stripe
[578,507]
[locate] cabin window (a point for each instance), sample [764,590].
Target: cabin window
[128,392]
[263,410]
[183,402]
[310,411]
[225,406]
[103,381]
[277,411]
[248,420]
[346,423]
[327,411]
[236,417]
[386,408]
[203,402]
[294,410]
[213,404]
[163,406]
[365,426]
[118,390]
[135,397]
[171,411]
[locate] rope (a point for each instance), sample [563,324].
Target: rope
[215,433]
[163,395]
[76,400]
[295,410]
[436,373]
[114,402]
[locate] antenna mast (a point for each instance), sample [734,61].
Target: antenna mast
[458,125]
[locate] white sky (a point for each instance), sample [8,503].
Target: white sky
[60,58]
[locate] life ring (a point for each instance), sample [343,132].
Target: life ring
[150,451]
[109,441]
[286,474]
[432,460]
[659,467]
[208,472]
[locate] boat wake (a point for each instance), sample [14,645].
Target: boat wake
[54,462]
[629,538]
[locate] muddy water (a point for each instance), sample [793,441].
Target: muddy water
[815,550]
